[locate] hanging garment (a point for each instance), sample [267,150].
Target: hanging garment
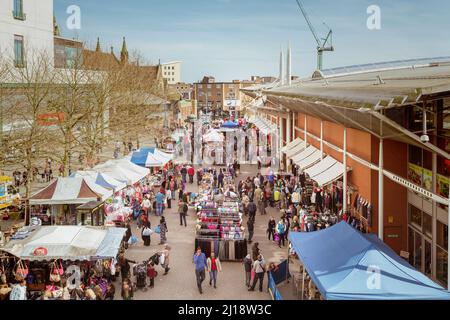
[216,247]
[369,215]
[232,251]
[313,198]
[222,250]
[355,201]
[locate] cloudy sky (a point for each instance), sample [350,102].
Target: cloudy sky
[234,39]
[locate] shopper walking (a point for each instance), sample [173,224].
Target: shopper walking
[146,233]
[163,230]
[182,211]
[281,229]
[271,228]
[251,229]
[160,197]
[200,267]
[214,267]
[251,209]
[166,253]
[248,269]
[259,267]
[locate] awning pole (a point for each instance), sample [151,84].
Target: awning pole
[303,282]
[448,246]
[344,196]
[380,193]
[321,139]
[306,132]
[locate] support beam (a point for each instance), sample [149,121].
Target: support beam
[381,192]
[288,129]
[321,138]
[306,131]
[344,158]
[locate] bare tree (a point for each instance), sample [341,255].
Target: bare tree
[24,105]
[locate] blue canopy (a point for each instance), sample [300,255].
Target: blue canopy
[140,157]
[348,265]
[230,124]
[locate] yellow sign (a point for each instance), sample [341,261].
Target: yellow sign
[424,178]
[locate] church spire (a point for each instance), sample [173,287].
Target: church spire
[56,31]
[124,53]
[98,48]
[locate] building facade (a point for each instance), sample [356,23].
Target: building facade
[171,71]
[390,129]
[26,27]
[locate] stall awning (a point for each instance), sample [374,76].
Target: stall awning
[291,145]
[47,243]
[303,154]
[307,158]
[296,150]
[264,126]
[69,190]
[332,174]
[341,261]
[321,167]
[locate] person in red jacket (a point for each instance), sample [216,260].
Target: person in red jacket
[191,172]
[151,274]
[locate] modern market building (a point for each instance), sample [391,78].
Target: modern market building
[387,124]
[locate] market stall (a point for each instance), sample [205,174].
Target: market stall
[349,258]
[58,201]
[46,255]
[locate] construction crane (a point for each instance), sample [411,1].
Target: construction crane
[324,44]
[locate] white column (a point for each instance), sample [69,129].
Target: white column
[281,138]
[288,128]
[321,138]
[344,158]
[294,116]
[306,131]
[381,193]
[288,67]
[282,78]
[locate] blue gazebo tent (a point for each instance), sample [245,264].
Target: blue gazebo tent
[140,157]
[230,124]
[345,264]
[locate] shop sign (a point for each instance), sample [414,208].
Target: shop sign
[39,252]
[424,178]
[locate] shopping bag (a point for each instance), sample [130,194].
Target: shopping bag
[22,270]
[132,240]
[147,232]
[276,237]
[162,259]
[158,229]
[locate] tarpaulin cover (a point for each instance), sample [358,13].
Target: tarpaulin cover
[67,243]
[230,124]
[139,157]
[68,190]
[348,265]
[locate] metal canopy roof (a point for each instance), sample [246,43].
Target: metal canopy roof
[352,100]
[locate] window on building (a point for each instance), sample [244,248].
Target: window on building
[19,60]
[441,266]
[415,216]
[18,10]
[209,86]
[72,54]
[173,68]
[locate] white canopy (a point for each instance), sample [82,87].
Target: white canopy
[291,145]
[123,170]
[102,179]
[326,171]
[213,136]
[120,173]
[320,167]
[164,156]
[311,159]
[154,161]
[69,190]
[295,150]
[264,126]
[332,174]
[303,154]
[66,243]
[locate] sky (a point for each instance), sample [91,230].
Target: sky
[235,39]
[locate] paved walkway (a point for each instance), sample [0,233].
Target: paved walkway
[180,283]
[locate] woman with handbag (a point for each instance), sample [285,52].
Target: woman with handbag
[146,233]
